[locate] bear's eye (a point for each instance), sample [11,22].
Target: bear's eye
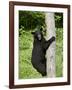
[32,32]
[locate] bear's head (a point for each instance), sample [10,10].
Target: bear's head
[37,34]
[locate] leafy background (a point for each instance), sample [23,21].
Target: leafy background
[28,20]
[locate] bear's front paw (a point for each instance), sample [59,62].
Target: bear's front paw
[53,38]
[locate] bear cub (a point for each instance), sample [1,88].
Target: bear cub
[40,45]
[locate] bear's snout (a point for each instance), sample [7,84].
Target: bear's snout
[39,37]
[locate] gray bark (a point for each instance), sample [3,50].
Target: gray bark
[50,54]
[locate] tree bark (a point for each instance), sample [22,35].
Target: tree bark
[50,54]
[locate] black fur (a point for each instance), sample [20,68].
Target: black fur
[40,45]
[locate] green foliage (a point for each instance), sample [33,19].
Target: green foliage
[30,19]
[59,20]
[26,69]
[59,52]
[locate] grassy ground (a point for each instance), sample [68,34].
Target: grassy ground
[26,69]
[59,52]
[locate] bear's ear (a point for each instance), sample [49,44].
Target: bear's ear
[41,29]
[32,32]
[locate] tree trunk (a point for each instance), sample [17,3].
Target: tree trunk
[50,54]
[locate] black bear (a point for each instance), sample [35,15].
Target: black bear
[40,45]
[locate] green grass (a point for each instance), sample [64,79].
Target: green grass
[59,52]
[26,69]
